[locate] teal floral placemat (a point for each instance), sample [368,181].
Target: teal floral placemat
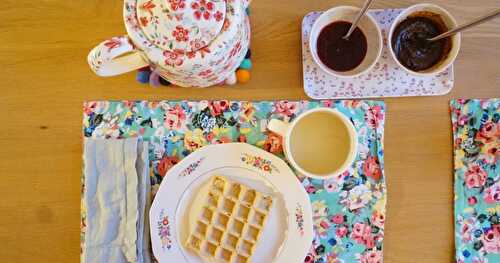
[349,211]
[476,135]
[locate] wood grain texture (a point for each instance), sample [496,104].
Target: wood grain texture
[45,79]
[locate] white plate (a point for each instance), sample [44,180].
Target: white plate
[288,233]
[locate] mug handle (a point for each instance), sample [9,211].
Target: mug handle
[278,127]
[116,56]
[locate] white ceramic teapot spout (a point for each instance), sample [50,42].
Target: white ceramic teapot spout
[188,42]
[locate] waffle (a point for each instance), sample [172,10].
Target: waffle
[230,223]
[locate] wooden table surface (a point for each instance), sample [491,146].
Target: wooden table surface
[45,79]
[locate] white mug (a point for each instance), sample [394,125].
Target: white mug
[321,143]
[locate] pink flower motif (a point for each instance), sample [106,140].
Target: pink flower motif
[173,58]
[324,224]
[273,143]
[311,256]
[374,116]
[174,117]
[341,231]
[222,140]
[372,256]
[144,21]
[489,132]
[177,4]
[197,44]
[492,153]
[242,138]
[310,189]
[378,219]
[361,233]
[218,16]
[202,8]
[206,73]
[113,43]
[181,34]
[328,103]
[89,107]
[472,200]
[370,242]
[236,49]
[491,240]
[466,233]
[129,104]
[475,176]
[492,194]
[218,107]
[337,219]
[166,163]
[477,260]
[371,168]
[148,6]
[285,108]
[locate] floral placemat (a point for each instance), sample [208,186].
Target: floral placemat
[476,135]
[349,211]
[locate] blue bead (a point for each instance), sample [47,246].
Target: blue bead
[246,64]
[248,11]
[143,76]
[478,233]
[248,54]
[466,253]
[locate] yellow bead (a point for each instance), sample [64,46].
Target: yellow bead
[243,75]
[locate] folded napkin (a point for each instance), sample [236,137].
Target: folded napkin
[116,191]
[476,135]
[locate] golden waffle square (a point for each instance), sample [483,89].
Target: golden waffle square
[230,223]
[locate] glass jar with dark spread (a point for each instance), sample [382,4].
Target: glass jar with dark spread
[410,41]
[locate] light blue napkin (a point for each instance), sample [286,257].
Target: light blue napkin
[116,196]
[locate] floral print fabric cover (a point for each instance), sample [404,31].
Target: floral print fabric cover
[348,211]
[476,134]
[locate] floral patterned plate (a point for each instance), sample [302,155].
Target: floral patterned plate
[288,234]
[386,79]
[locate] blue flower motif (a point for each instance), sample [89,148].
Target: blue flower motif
[332,242]
[235,106]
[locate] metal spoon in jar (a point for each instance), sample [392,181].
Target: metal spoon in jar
[474,22]
[358,17]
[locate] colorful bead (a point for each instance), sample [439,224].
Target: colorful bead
[143,76]
[243,75]
[248,11]
[246,64]
[231,80]
[248,54]
[154,79]
[164,82]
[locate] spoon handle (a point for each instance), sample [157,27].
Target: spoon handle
[358,17]
[476,21]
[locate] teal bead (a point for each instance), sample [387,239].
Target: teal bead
[246,64]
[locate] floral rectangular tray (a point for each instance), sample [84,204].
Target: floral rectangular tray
[386,79]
